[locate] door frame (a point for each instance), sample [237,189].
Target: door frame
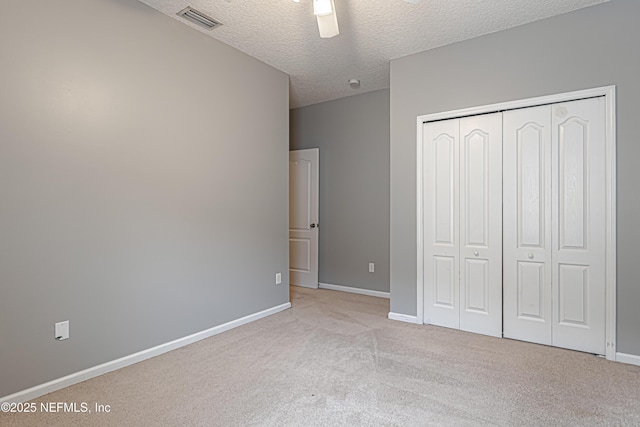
[609,93]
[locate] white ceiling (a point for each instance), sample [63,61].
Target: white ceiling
[284,34]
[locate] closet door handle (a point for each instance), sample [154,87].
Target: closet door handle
[530,256]
[476,253]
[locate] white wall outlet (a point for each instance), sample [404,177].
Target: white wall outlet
[278,278]
[61,330]
[372,267]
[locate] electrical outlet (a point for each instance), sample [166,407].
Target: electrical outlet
[372,267]
[278,278]
[61,330]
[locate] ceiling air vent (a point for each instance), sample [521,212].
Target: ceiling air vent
[199,18]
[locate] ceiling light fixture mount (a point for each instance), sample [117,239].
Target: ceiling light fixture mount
[354,83]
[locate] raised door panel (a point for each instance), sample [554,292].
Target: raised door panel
[573,183]
[531,304]
[477,286]
[300,193]
[476,185]
[527,224]
[573,294]
[444,169]
[530,148]
[441,223]
[444,280]
[481,224]
[300,255]
[579,225]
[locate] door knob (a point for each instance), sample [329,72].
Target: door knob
[476,253]
[313,225]
[530,256]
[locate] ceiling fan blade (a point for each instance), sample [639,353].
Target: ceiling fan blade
[328,24]
[323,7]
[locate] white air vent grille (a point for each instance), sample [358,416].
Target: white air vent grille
[199,18]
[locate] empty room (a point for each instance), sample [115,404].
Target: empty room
[319,212]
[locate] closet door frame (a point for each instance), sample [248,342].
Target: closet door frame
[609,93]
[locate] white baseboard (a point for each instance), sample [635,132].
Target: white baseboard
[352,290]
[631,359]
[403,317]
[60,383]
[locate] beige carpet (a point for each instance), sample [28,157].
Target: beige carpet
[334,359]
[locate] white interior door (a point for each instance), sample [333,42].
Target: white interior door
[557,256]
[462,223]
[555,225]
[527,224]
[303,217]
[579,221]
[441,223]
[481,224]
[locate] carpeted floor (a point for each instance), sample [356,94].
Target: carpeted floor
[334,359]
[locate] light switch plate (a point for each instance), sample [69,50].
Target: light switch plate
[61,330]
[278,278]
[372,267]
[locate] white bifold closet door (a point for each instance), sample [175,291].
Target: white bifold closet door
[554,225]
[527,224]
[463,223]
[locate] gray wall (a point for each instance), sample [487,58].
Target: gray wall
[592,47]
[136,158]
[353,137]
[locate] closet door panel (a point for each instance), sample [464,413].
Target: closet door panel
[481,224]
[441,222]
[527,224]
[444,282]
[578,168]
[476,286]
[531,290]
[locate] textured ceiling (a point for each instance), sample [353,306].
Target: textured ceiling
[284,34]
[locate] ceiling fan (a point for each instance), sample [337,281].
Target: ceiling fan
[325,12]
